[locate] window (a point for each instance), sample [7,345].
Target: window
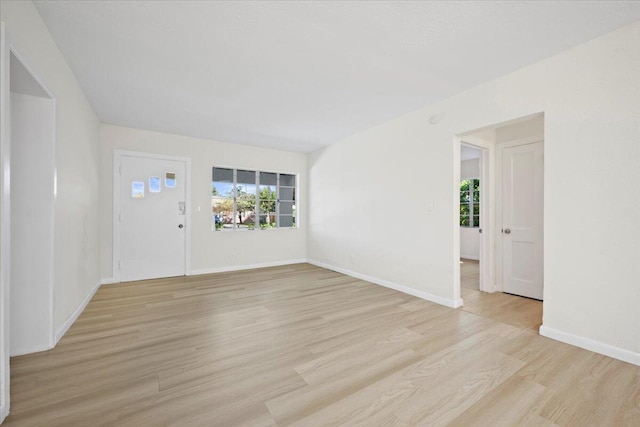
[245,199]
[470,203]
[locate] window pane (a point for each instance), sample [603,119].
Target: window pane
[476,203]
[286,208]
[222,189]
[246,177]
[287,180]
[267,178]
[245,205]
[286,221]
[469,193]
[222,175]
[267,207]
[246,189]
[267,221]
[268,192]
[464,191]
[287,193]
[236,198]
[222,205]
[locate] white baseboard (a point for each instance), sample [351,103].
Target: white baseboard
[245,267]
[591,345]
[108,281]
[472,257]
[4,411]
[76,313]
[30,350]
[448,302]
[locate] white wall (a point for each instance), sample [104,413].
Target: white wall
[5,225]
[589,95]
[469,243]
[470,169]
[210,251]
[32,234]
[77,151]
[533,128]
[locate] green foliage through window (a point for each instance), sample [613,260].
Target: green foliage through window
[242,199]
[470,203]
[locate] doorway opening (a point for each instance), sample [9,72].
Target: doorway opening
[471,203]
[498,247]
[27,213]
[31,157]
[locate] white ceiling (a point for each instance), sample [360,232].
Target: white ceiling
[301,75]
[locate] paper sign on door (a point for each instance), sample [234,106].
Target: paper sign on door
[137,190]
[170,180]
[154,184]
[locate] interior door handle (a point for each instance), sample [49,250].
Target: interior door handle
[506,231]
[180,226]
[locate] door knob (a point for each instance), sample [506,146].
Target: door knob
[507,231]
[180,226]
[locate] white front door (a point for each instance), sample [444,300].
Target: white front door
[152,217]
[522,220]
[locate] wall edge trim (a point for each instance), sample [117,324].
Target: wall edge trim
[591,345]
[201,271]
[4,412]
[447,302]
[76,313]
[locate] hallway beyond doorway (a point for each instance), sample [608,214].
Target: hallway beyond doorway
[514,310]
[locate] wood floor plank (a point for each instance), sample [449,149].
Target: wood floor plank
[302,345]
[516,402]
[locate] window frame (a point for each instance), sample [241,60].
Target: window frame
[472,203]
[257,212]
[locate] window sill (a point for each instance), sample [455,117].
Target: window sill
[246,230]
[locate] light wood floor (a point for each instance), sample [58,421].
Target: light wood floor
[301,345]
[517,311]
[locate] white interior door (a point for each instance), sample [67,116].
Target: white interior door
[522,220]
[152,218]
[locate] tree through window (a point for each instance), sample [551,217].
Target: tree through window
[245,199]
[470,203]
